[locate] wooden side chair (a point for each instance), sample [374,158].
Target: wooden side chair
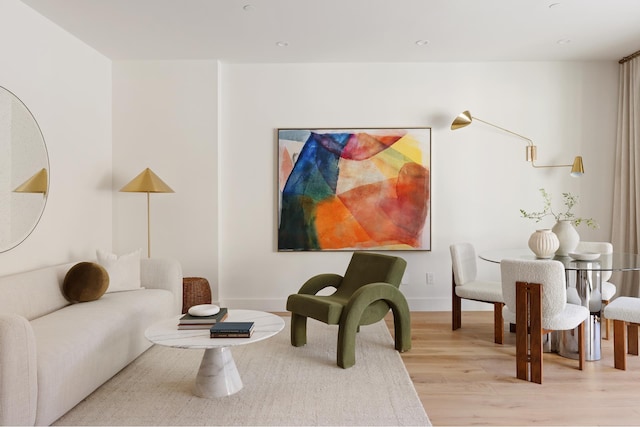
[465,285]
[625,313]
[535,296]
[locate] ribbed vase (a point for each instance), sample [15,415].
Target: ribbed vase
[544,243]
[567,236]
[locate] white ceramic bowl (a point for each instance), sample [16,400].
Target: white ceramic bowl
[204,310]
[584,256]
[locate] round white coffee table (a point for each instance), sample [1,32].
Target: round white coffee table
[218,375]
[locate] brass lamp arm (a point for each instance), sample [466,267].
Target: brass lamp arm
[530,142]
[577,168]
[550,166]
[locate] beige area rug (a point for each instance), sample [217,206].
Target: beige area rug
[283,385]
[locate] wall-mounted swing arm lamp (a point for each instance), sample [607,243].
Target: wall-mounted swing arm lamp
[465,118]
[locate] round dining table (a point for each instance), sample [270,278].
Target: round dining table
[583,288]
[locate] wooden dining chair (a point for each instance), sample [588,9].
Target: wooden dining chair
[535,297]
[465,285]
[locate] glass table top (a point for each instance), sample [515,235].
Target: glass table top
[616,261]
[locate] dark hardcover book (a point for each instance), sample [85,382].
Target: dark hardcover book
[232,328]
[188,319]
[191,326]
[232,335]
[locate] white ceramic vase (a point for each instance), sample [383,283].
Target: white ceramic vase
[568,237]
[544,243]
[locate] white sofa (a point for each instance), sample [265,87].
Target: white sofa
[53,354]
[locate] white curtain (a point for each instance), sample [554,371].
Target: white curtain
[626,202]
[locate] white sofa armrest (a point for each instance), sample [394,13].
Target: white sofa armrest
[18,371]
[163,273]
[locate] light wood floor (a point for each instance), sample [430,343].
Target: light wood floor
[463,378]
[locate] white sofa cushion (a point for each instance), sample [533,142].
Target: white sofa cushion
[124,270]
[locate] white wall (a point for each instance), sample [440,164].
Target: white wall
[209,131]
[165,118]
[67,87]
[480,179]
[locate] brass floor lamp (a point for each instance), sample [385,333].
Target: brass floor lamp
[147,182]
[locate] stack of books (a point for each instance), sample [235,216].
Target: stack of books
[202,322]
[232,330]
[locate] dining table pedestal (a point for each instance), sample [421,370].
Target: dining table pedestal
[583,288]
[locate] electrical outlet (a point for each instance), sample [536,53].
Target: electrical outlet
[430,279]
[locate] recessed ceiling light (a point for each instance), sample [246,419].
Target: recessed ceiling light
[247,7]
[552,5]
[422,42]
[282,44]
[563,41]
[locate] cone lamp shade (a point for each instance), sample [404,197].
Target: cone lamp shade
[38,183]
[577,169]
[463,119]
[147,182]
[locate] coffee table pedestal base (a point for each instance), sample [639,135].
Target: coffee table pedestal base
[218,375]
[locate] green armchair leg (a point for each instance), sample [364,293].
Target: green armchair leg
[363,298]
[298,330]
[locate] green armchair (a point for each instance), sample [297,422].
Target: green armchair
[366,293]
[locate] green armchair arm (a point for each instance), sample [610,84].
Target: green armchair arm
[358,303]
[319,282]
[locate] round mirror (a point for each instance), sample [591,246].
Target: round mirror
[24,171]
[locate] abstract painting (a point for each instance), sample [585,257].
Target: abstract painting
[354,189]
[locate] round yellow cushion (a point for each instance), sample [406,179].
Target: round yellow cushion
[85,281]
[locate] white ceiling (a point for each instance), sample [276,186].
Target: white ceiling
[352,30]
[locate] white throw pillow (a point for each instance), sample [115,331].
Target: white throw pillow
[124,270]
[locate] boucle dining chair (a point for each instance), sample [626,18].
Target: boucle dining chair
[535,297]
[625,313]
[607,289]
[364,295]
[465,285]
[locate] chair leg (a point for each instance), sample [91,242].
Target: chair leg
[522,330]
[352,314]
[619,344]
[456,307]
[604,321]
[632,339]
[298,330]
[529,332]
[536,332]
[346,351]
[498,323]
[402,326]
[581,355]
